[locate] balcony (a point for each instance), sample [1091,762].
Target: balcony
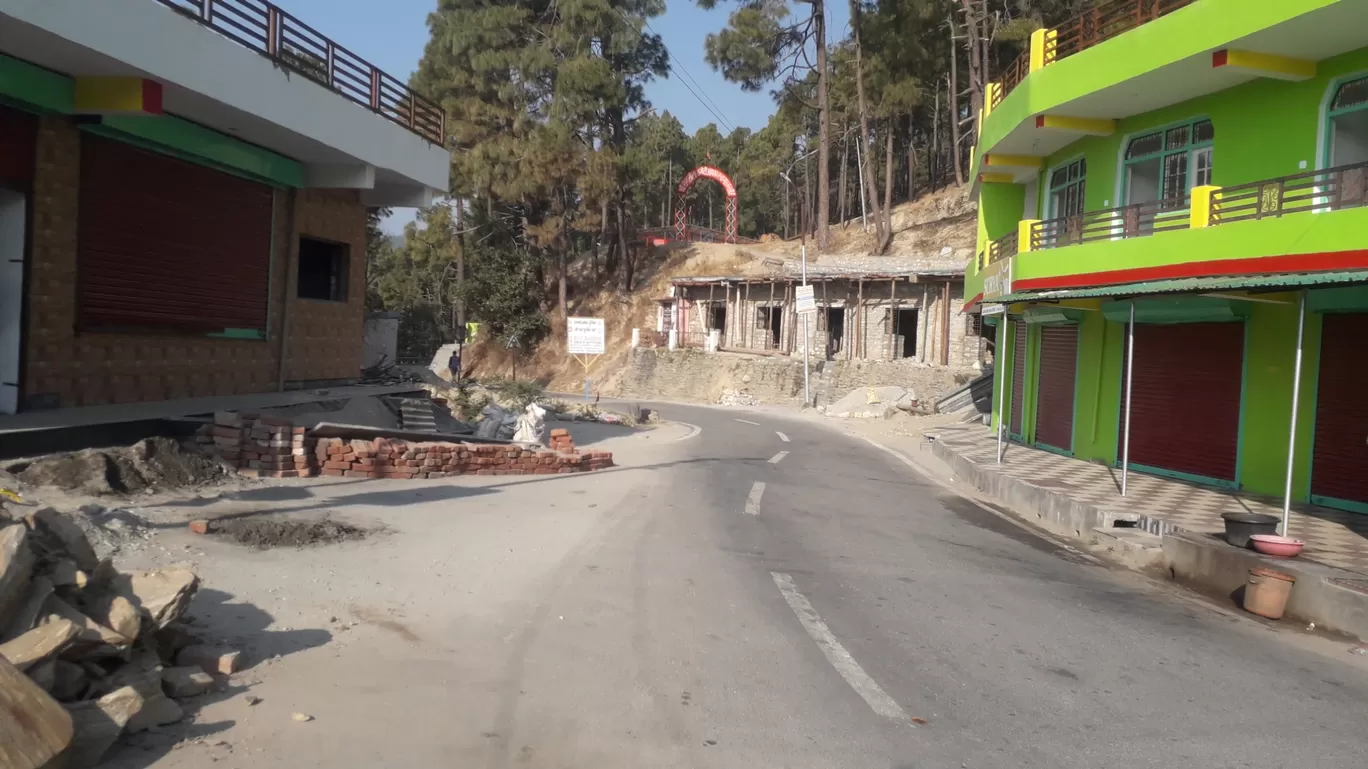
[1094,26]
[1207,208]
[289,42]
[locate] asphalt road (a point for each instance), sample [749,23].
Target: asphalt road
[670,613]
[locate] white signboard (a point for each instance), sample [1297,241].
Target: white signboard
[994,309]
[807,301]
[584,336]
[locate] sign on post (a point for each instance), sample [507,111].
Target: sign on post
[994,309]
[807,300]
[584,336]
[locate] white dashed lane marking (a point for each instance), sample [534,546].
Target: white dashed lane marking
[753,501]
[836,654]
[748,422]
[782,437]
[774,460]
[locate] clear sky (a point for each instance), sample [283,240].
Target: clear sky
[392,34]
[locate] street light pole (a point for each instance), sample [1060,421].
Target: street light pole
[802,250]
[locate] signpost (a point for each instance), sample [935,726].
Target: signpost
[584,342]
[807,300]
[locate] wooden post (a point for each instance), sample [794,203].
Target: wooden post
[824,315]
[924,320]
[769,312]
[892,320]
[707,320]
[859,319]
[750,326]
[945,325]
[731,318]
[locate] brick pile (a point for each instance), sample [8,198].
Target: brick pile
[274,448]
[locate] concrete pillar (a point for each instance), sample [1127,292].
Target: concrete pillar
[636,338]
[714,340]
[673,338]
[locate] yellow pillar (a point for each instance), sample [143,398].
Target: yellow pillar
[1202,199]
[1042,48]
[1024,234]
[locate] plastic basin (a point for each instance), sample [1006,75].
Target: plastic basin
[1239,527]
[1272,544]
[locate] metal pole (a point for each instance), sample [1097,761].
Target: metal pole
[998,358]
[1296,400]
[1130,377]
[864,224]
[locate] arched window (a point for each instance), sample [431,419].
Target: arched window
[1348,123]
[1166,164]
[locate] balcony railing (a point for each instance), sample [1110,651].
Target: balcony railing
[1327,190]
[268,30]
[1004,247]
[1098,24]
[1136,220]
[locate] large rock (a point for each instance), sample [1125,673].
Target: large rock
[40,643]
[98,723]
[115,612]
[16,568]
[162,595]
[186,682]
[157,710]
[29,612]
[872,402]
[34,729]
[69,681]
[97,638]
[57,536]
[210,659]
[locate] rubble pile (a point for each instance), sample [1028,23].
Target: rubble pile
[738,398]
[389,458]
[101,653]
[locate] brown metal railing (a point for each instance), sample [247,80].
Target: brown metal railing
[1327,190]
[1137,220]
[1098,24]
[1004,247]
[266,29]
[1012,76]
[1105,21]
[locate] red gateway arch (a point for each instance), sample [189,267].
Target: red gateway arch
[682,213]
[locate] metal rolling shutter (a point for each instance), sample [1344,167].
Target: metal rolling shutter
[166,243]
[1055,381]
[1018,376]
[1339,464]
[18,142]
[1185,415]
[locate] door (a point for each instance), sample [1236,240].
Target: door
[12,220]
[1018,377]
[1185,415]
[1339,462]
[1055,381]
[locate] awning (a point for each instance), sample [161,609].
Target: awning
[1193,286]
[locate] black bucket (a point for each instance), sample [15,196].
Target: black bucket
[1240,526]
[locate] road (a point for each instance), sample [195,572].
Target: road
[671,613]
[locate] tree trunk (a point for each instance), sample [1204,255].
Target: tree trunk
[887,239]
[845,194]
[911,157]
[823,129]
[954,108]
[880,237]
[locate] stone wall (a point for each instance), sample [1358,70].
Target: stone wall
[695,376]
[66,366]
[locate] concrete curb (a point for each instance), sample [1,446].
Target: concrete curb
[1323,594]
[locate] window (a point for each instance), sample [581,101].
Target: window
[1349,124]
[1067,187]
[1165,165]
[322,270]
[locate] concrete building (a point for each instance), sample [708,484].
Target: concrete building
[1172,216]
[868,308]
[183,195]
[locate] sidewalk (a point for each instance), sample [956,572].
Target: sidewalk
[1162,505]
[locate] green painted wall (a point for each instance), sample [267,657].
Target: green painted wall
[1000,209]
[1193,31]
[30,86]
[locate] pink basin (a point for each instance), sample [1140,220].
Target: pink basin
[1272,544]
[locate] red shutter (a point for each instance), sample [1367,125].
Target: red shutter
[1339,465]
[1018,375]
[1055,381]
[18,143]
[170,244]
[1185,415]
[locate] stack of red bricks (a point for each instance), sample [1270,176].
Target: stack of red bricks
[274,448]
[389,458]
[261,446]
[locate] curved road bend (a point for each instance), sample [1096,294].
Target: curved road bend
[706,635]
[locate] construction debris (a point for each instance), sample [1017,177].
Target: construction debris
[151,464]
[92,642]
[873,402]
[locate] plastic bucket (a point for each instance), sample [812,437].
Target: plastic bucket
[1267,592]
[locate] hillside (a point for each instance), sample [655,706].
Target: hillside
[939,227]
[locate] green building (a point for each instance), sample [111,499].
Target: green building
[1184,184]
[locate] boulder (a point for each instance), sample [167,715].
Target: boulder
[70,681]
[162,595]
[57,536]
[157,710]
[63,572]
[98,723]
[92,634]
[29,612]
[40,643]
[34,729]
[210,659]
[183,682]
[16,568]
[115,612]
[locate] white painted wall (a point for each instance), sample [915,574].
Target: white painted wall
[11,296]
[179,51]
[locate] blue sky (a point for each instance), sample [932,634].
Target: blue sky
[393,39]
